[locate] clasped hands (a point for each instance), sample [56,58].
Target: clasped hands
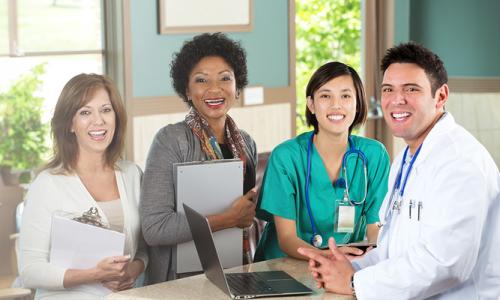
[332,268]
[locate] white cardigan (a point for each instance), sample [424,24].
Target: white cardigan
[49,193]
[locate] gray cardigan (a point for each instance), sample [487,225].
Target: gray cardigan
[163,228]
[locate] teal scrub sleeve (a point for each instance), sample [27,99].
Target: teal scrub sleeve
[378,174]
[277,194]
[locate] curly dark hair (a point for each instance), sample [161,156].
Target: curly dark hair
[414,53]
[201,46]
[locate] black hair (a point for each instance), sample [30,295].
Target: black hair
[328,72]
[412,52]
[201,46]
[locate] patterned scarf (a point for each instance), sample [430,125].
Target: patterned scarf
[208,141]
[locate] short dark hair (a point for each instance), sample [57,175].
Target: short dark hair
[414,53]
[77,92]
[328,72]
[204,45]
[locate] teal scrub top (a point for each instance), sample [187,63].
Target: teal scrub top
[283,192]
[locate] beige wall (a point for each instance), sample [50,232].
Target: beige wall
[268,125]
[479,113]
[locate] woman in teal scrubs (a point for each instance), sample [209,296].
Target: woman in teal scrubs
[335,105]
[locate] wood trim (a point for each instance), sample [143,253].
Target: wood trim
[174,104]
[474,84]
[211,29]
[54,53]
[157,106]
[12,28]
[127,69]
[378,35]
[162,29]
[292,61]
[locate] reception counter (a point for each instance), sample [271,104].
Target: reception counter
[199,287]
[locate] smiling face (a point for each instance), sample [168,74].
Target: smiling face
[410,108]
[334,105]
[94,124]
[212,88]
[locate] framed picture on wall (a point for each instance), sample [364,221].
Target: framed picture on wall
[189,16]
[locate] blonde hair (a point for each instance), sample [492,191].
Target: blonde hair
[76,93]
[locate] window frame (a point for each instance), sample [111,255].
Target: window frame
[13,37]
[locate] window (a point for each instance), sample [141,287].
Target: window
[66,35]
[325,31]
[4,41]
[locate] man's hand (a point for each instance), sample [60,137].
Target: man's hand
[333,273]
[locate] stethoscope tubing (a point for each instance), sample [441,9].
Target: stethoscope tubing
[351,151]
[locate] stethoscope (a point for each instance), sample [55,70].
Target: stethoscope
[317,239]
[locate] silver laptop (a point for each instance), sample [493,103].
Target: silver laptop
[237,285]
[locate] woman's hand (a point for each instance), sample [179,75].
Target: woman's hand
[111,268]
[132,271]
[243,209]
[239,214]
[108,269]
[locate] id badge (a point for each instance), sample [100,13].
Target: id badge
[345,217]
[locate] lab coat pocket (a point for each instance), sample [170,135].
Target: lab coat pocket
[414,221]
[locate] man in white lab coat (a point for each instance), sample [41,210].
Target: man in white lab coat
[440,237]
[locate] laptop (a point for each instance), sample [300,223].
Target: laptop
[237,285]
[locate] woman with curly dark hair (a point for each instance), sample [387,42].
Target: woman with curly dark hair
[208,73]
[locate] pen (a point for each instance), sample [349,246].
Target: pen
[410,207]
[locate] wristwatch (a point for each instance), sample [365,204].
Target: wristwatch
[353,290]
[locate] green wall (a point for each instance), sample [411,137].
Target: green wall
[266,46]
[464,33]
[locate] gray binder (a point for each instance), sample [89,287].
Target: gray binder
[209,187]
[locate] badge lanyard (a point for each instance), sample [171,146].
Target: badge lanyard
[316,239]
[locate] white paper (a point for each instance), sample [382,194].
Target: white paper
[253,95]
[76,245]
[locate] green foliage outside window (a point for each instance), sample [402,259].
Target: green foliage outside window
[22,133]
[325,31]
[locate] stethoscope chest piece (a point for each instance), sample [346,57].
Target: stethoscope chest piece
[316,240]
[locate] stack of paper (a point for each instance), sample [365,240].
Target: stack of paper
[76,245]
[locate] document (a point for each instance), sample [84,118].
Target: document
[76,245]
[81,246]
[209,187]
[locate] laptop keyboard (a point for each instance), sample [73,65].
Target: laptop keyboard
[247,284]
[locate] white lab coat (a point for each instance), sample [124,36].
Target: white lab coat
[452,252]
